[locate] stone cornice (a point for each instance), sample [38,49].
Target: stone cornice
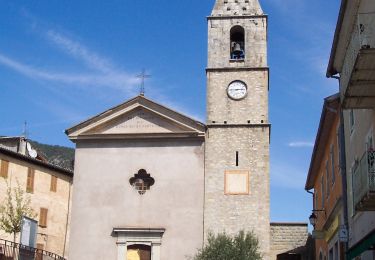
[225,17]
[238,69]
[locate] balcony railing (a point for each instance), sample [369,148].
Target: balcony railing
[14,251]
[364,183]
[357,84]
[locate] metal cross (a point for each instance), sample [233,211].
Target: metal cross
[143,76]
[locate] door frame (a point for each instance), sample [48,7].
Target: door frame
[138,236]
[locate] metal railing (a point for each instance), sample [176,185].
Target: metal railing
[14,251]
[364,177]
[363,37]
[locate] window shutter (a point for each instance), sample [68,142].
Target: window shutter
[4,169]
[30,180]
[43,217]
[39,252]
[53,187]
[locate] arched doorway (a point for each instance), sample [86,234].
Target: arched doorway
[138,252]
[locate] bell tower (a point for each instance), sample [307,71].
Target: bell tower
[237,193]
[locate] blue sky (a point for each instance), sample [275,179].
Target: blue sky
[64,61]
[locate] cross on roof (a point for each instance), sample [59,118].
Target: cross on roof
[143,76]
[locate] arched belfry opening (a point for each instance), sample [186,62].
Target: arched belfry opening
[237,43]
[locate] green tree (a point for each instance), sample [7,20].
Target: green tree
[15,205]
[243,246]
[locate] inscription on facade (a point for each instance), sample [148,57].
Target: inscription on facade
[140,122]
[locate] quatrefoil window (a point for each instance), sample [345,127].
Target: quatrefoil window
[142,181]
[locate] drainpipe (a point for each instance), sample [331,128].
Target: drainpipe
[344,173]
[67,219]
[343,168]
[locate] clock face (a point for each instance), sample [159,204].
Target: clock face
[237,90]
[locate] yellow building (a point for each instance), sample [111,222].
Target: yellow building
[47,185]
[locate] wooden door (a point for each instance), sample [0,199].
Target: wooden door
[139,252]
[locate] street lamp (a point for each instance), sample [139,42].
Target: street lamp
[313,218]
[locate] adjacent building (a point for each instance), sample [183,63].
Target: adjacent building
[352,61]
[48,186]
[325,179]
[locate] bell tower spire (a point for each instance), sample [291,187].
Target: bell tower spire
[237,194]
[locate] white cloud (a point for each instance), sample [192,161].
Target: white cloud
[118,81]
[301,144]
[80,52]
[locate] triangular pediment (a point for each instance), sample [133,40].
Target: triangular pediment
[137,118]
[138,121]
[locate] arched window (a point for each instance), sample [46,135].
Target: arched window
[237,43]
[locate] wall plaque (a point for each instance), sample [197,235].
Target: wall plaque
[236,183]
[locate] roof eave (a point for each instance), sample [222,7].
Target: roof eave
[311,174]
[36,161]
[331,71]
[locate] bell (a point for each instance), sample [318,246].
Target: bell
[237,48]
[237,52]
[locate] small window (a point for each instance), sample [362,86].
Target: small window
[43,217]
[4,168]
[237,43]
[142,181]
[30,180]
[53,187]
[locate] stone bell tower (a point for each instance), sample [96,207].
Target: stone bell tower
[237,193]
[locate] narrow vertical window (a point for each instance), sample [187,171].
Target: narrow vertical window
[333,164]
[30,180]
[237,158]
[53,187]
[43,217]
[237,43]
[4,169]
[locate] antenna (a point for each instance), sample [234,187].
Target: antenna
[25,132]
[143,76]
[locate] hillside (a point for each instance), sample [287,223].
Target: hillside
[55,154]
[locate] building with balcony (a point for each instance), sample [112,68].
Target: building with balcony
[352,61]
[324,178]
[49,188]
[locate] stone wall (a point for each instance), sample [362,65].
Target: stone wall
[287,236]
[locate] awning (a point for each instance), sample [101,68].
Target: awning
[365,244]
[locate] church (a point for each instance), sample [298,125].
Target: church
[152,183]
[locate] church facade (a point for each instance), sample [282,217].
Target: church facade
[151,183]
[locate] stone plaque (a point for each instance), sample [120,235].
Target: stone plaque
[139,121]
[236,183]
